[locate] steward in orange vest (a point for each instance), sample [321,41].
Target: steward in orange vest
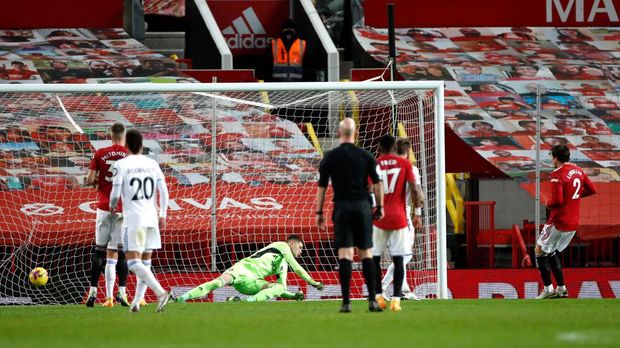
[288,53]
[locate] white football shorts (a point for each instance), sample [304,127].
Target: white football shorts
[108,230]
[398,241]
[552,239]
[140,239]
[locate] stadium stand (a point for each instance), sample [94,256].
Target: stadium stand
[81,56]
[256,149]
[492,79]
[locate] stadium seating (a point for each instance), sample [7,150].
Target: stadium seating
[40,150]
[493,76]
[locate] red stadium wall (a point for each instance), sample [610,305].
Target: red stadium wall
[48,217]
[35,14]
[462,284]
[489,13]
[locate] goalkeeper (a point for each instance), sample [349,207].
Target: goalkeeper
[248,275]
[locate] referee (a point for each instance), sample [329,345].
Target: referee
[349,168]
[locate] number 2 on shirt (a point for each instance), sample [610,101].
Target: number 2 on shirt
[577,186]
[389,177]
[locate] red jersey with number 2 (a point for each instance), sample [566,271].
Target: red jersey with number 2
[395,172]
[102,162]
[568,185]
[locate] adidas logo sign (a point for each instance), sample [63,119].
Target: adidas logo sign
[246,32]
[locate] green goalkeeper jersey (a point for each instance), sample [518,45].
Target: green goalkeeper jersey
[274,259]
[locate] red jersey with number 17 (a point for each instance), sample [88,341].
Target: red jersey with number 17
[568,185]
[102,162]
[395,172]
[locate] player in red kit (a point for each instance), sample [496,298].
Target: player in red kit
[108,229]
[569,184]
[396,174]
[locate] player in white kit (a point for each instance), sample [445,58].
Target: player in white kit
[136,179]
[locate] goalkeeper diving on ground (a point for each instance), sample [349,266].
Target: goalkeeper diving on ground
[248,275]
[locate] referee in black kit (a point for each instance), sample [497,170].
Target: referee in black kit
[349,168]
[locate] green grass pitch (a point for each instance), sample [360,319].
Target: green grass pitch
[456,323]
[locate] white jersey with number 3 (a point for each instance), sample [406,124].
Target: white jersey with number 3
[136,179]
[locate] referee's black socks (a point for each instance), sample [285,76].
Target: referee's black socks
[377,263]
[344,269]
[368,267]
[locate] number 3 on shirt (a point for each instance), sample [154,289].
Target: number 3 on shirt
[389,178]
[577,186]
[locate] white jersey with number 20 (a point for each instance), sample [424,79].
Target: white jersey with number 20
[136,178]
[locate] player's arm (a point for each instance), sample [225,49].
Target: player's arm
[320,192]
[162,188]
[91,178]
[117,186]
[282,281]
[377,187]
[588,187]
[296,267]
[417,195]
[557,193]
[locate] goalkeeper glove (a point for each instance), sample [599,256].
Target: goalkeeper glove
[299,296]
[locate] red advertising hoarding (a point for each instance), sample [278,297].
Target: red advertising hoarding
[462,284]
[261,214]
[490,13]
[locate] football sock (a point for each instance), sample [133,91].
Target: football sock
[141,286]
[399,274]
[545,269]
[97,264]
[267,294]
[144,274]
[556,268]
[122,271]
[344,269]
[110,277]
[388,277]
[203,289]
[405,287]
[368,268]
[376,264]
[92,291]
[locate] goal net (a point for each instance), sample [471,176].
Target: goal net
[240,162]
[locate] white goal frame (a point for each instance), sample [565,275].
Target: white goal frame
[436,86]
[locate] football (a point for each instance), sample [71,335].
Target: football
[38,276]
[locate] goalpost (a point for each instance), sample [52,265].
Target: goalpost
[240,162]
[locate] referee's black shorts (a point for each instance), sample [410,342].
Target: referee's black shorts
[353,224]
